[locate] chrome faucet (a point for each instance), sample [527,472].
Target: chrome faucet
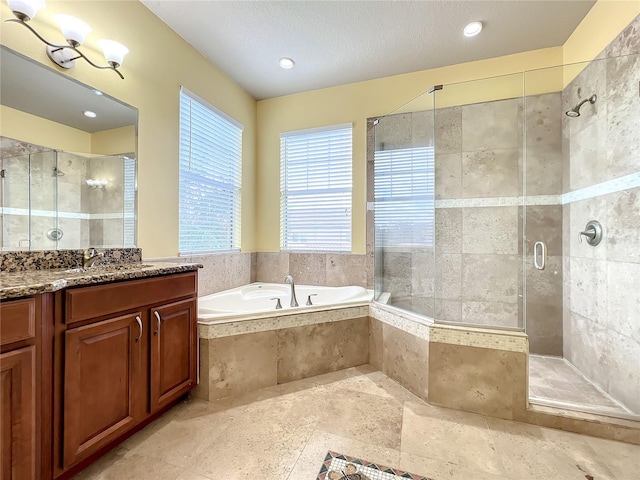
[91,256]
[294,301]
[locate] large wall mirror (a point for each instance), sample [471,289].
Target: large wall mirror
[67,177]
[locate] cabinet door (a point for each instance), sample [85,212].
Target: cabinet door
[18,410]
[104,391]
[173,351]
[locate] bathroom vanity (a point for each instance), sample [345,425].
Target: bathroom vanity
[88,357]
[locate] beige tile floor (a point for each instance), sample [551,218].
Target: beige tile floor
[553,380]
[284,432]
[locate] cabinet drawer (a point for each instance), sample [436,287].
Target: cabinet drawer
[90,302]
[17,320]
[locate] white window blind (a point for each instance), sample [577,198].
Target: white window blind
[404,189]
[129,166]
[210,177]
[315,180]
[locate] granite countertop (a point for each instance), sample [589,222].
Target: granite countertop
[32,282]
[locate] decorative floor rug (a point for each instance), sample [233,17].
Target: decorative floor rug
[343,467]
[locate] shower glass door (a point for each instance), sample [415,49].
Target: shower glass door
[404,208]
[478,202]
[28,200]
[582,235]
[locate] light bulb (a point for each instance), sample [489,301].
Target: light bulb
[114,52]
[472,29]
[286,62]
[25,10]
[73,29]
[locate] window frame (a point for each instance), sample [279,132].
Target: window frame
[235,189]
[344,245]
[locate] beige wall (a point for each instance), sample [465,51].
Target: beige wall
[114,141]
[159,62]
[40,131]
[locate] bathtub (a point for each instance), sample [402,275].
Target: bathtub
[255,301]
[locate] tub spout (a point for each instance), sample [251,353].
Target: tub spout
[294,301]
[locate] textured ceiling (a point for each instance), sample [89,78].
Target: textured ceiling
[339,42]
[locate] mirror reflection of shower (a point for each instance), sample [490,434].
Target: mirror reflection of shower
[575,111]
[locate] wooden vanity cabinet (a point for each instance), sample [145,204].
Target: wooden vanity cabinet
[130,350]
[103,383]
[26,328]
[173,352]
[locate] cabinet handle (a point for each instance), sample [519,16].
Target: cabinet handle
[140,326]
[159,320]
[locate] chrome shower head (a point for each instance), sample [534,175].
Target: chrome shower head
[575,111]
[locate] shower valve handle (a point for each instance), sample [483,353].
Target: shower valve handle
[590,234]
[593,233]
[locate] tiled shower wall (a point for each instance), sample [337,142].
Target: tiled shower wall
[106,202]
[479,229]
[602,283]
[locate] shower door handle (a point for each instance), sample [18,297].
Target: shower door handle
[539,255]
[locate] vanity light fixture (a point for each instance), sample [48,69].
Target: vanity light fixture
[286,63]
[97,183]
[74,31]
[472,29]
[89,113]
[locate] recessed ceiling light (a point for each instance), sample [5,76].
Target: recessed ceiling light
[97,92]
[286,62]
[473,29]
[90,114]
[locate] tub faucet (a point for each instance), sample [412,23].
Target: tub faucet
[91,256]
[294,301]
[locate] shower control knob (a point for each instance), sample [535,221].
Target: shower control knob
[592,232]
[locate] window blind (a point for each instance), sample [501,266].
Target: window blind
[404,191]
[210,177]
[129,165]
[315,180]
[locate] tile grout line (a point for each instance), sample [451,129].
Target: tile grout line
[306,443]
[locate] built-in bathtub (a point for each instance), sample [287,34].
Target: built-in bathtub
[256,301]
[247,344]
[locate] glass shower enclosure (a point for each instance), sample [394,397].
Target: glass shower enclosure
[60,200]
[488,198]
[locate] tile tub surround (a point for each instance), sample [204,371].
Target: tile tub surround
[283,432]
[220,271]
[322,269]
[32,282]
[223,271]
[236,364]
